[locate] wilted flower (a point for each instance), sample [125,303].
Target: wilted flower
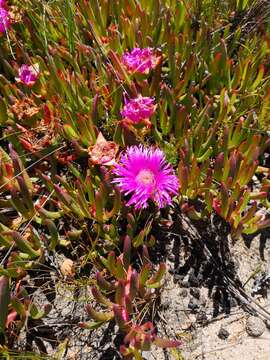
[25,108]
[16,14]
[4,20]
[28,74]
[103,152]
[144,174]
[140,60]
[139,109]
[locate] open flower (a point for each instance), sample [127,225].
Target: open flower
[140,60]
[139,109]
[28,74]
[144,174]
[4,20]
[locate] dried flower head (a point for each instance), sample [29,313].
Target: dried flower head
[4,20]
[67,268]
[28,74]
[140,60]
[144,174]
[25,108]
[103,152]
[37,138]
[139,109]
[16,14]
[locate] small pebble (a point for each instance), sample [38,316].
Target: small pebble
[255,326]
[194,305]
[185,283]
[195,292]
[201,317]
[183,293]
[223,333]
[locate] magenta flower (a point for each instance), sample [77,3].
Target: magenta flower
[144,174]
[140,60]
[28,74]
[4,20]
[141,108]
[3,4]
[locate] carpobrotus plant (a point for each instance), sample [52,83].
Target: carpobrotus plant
[131,291]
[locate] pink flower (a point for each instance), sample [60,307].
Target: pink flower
[144,174]
[140,60]
[141,108]
[28,74]
[4,20]
[3,4]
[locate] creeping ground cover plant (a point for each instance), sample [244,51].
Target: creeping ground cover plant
[118,120]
